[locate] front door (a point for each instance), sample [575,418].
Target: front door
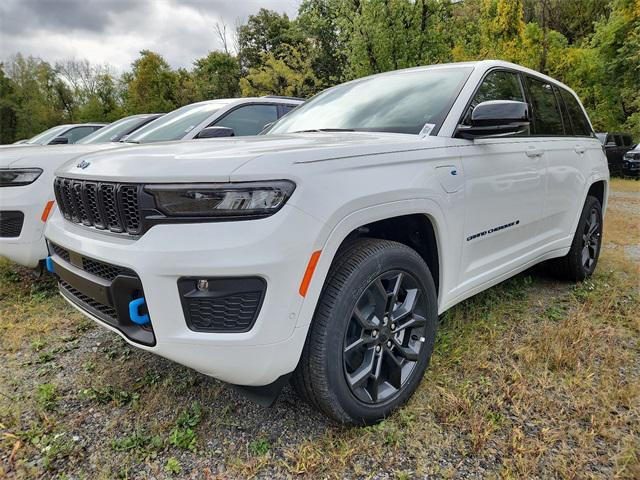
[504,192]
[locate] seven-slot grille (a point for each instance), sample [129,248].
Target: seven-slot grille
[103,205]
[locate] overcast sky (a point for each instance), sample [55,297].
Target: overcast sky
[114,31]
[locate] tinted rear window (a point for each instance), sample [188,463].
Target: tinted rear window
[579,121]
[546,114]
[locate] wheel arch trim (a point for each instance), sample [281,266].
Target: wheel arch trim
[333,238]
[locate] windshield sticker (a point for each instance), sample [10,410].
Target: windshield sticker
[426,130]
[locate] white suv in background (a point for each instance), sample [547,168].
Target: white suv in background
[26,175]
[324,250]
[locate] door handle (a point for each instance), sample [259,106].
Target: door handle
[534,152]
[579,149]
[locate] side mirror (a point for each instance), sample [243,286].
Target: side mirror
[216,132]
[496,117]
[59,141]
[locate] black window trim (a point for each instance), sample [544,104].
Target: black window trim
[465,111]
[524,87]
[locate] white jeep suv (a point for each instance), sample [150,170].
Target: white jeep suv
[324,250]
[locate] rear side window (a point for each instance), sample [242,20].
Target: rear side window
[249,120]
[626,139]
[546,113]
[579,121]
[287,108]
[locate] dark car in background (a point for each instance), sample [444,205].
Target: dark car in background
[615,145]
[631,163]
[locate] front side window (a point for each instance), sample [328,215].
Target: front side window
[249,120]
[579,121]
[497,85]
[546,113]
[175,125]
[398,102]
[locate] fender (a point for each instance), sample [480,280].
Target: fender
[373,213]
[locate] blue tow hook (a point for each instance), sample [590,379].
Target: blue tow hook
[49,264]
[134,312]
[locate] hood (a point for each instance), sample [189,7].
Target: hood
[49,155]
[216,159]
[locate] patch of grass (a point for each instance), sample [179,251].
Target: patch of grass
[260,446]
[47,395]
[172,466]
[183,435]
[110,394]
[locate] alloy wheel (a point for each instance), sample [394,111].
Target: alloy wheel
[591,239]
[384,337]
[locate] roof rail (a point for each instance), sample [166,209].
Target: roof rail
[284,97]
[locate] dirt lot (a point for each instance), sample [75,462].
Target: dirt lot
[534,378]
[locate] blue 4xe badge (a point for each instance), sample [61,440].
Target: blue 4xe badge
[83,164]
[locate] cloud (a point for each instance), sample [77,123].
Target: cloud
[114,31]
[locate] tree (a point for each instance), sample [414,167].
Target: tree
[319,21]
[8,115]
[289,74]
[267,32]
[151,86]
[217,76]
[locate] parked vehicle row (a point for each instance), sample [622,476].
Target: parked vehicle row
[25,207]
[616,145]
[323,251]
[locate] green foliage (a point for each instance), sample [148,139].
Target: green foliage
[183,434]
[47,396]
[259,446]
[591,45]
[288,74]
[172,466]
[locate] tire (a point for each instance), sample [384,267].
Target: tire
[574,265]
[342,343]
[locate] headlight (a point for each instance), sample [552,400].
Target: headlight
[247,199]
[15,177]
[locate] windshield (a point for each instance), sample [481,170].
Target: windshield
[175,125]
[113,132]
[46,136]
[399,102]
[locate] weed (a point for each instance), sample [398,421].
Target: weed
[47,396]
[172,466]
[110,394]
[260,446]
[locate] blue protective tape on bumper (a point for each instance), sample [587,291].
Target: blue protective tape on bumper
[49,264]
[134,313]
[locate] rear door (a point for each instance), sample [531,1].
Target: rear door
[568,164]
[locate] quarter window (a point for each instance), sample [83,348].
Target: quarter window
[546,114]
[249,120]
[579,121]
[78,133]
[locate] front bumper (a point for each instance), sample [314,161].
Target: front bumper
[29,247]
[274,249]
[631,168]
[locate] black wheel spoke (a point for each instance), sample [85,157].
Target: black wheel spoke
[406,352]
[394,365]
[416,321]
[407,307]
[362,319]
[362,374]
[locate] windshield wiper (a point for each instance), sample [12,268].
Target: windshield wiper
[326,130]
